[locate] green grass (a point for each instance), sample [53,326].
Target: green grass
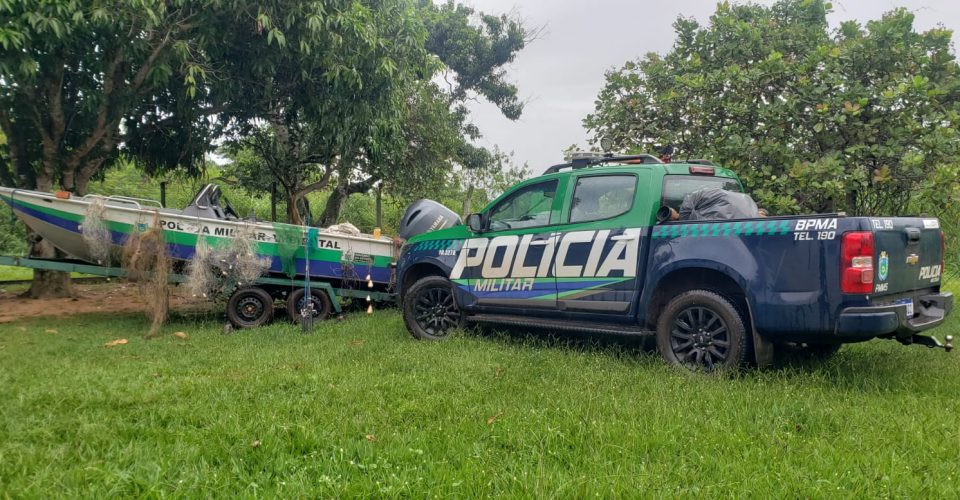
[478,415]
[14,273]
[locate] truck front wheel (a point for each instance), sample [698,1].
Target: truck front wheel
[430,310]
[702,331]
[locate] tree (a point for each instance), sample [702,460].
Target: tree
[320,85]
[472,48]
[864,119]
[73,73]
[341,96]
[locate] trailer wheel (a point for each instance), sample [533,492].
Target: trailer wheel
[250,308]
[430,310]
[702,331]
[319,298]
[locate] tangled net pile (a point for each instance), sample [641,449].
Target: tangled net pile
[146,262]
[214,272]
[94,231]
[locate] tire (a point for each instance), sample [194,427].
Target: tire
[250,308]
[430,310]
[703,332]
[321,305]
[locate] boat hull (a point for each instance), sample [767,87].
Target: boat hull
[334,256]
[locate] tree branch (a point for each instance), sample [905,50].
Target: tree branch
[320,184]
[111,76]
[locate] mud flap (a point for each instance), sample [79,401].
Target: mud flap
[762,349]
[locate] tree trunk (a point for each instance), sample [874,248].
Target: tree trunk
[293,211]
[305,210]
[379,218]
[851,207]
[331,212]
[339,195]
[48,284]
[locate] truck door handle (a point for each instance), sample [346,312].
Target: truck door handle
[539,242]
[623,237]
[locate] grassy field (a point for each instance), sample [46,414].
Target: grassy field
[359,408]
[13,273]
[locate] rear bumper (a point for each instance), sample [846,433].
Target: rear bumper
[868,322]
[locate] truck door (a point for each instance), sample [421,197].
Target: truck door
[510,265]
[598,249]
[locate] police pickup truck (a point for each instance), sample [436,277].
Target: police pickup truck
[582,248]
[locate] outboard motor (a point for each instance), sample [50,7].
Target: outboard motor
[423,216]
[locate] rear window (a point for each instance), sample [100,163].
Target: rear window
[675,187]
[601,197]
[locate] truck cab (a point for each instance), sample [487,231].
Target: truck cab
[581,248]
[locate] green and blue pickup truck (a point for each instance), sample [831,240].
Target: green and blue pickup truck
[582,248]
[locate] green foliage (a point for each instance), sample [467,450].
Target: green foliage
[13,234]
[356,105]
[73,72]
[484,175]
[864,120]
[474,47]
[358,409]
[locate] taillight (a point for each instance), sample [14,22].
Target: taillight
[856,264]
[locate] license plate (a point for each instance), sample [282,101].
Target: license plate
[909,303]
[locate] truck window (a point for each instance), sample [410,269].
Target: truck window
[599,197]
[528,206]
[675,187]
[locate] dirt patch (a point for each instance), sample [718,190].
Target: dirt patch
[114,297]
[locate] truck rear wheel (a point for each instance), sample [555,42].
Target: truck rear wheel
[702,331]
[430,310]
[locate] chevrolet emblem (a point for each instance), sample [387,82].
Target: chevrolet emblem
[912,259]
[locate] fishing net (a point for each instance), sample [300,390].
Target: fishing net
[201,280]
[238,259]
[146,262]
[216,271]
[289,241]
[94,231]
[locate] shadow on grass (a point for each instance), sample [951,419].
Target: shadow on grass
[877,366]
[613,345]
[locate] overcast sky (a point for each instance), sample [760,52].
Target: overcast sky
[560,74]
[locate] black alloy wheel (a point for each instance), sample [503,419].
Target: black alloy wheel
[430,310]
[700,337]
[702,331]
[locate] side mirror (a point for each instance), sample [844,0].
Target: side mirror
[475,223]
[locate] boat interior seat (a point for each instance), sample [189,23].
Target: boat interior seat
[210,203]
